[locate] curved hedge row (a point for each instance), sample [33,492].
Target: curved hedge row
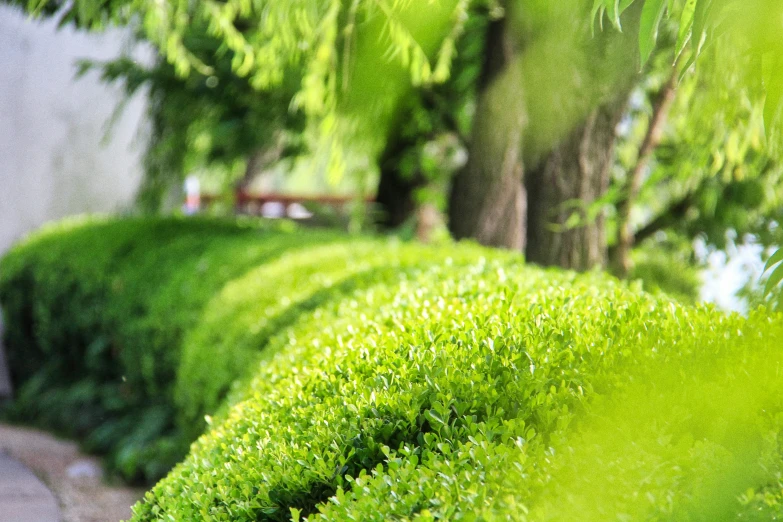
[126,333]
[443,394]
[249,310]
[96,310]
[372,380]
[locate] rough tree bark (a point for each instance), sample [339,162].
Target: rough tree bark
[569,180]
[573,99]
[488,198]
[574,175]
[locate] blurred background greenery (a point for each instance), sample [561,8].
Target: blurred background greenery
[640,136]
[636,137]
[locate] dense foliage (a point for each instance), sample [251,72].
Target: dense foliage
[370,379]
[449,393]
[96,313]
[367,86]
[114,325]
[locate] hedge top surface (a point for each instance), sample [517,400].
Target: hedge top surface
[410,398]
[237,324]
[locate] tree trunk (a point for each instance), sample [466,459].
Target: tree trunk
[565,222]
[261,158]
[563,226]
[255,162]
[574,98]
[488,198]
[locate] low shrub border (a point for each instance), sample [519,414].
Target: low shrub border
[443,394]
[368,379]
[96,310]
[128,332]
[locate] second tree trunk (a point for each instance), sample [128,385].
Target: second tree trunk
[564,227]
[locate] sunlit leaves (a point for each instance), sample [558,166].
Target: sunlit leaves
[772,71]
[714,172]
[439,393]
[611,9]
[774,269]
[652,12]
[748,24]
[692,18]
[685,27]
[267,38]
[407,381]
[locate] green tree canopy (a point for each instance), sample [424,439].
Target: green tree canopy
[545,93]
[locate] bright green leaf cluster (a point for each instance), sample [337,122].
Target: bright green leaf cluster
[242,318]
[440,395]
[96,311]
[753,25]
[373,380]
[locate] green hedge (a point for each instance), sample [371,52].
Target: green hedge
[451,392]
[95,312]
[243,316]
[367,379]
[126,333]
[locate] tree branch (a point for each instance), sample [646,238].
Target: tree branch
[652,139]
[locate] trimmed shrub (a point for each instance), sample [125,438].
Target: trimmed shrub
[127,333]
[232,336]
[95,312]
[443,392]
[367,379]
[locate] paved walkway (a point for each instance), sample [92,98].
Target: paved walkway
[23,497]
[75,479]
[74,490]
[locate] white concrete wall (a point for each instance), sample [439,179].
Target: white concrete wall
[53,158]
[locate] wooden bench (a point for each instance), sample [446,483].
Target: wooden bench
[279,205]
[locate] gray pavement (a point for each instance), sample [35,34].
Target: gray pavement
[23,497]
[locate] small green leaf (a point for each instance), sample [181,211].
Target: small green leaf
[700,15]
[691,60]
[775,277]
[776,258]
[686,27]
[652,12]
[613,10]
[596,13]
